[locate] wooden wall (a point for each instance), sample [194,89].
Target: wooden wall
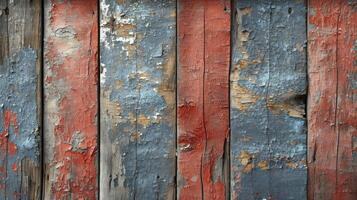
[178,99]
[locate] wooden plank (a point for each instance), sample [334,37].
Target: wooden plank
[332,110]
[20,104]
[70,104]
[268,89]
[138,90]
[203,75]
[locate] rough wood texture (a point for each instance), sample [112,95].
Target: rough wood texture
[268,86]
[20,56]
[138,70]
[332,110]
[203,80]
[70,115]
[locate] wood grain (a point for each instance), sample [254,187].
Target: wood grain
[138,90]
[268,91]
[203,76]
[332,48]
[20,103]
[71,100]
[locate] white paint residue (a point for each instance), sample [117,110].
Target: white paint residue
[103,73]
[107,36]
[129,39]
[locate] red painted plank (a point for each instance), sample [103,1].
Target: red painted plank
[332,110]
[203,65]
[70,116]
[216,96]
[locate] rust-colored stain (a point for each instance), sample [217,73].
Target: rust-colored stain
[71,100]
[332,110]
[203,78]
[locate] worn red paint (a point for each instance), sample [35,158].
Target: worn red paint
[10,120]
[332,100]
[75,164]
[204,52]
[6,146]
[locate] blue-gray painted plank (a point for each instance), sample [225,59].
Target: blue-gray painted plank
[138,60]
[20,55]
[268,88]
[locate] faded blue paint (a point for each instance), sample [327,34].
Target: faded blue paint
[268,88]
[18,86]
[137,53]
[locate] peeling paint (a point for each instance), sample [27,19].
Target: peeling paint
[19,125]
[70,99]
[242,98]
[268,86]
[138,50]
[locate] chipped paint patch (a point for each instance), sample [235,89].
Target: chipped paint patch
[291,110]
[242,98]
[70,99]
[268,84]
[19,124]
[138,44]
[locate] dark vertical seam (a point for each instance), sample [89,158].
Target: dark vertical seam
[337,128]
[7,27]
[8,53]
[267,96]
[21,179]
[228,148]
[42,89]
[203,98]
[98,99]
[306,4]
[136,114]
[176,100]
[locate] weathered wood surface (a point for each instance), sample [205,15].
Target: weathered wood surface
[203,102]
[20,104]
[138,90]
[70,104]
[332,111]
[268,87]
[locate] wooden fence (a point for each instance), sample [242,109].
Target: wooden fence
[186,99]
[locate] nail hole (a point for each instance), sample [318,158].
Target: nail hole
[6,11]
[290,10]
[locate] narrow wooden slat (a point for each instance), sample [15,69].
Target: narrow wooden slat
[203,67]
[268,87]
[190,129]
[138,70]
[70,104]
[332,110]
[20,104]
[216,97]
